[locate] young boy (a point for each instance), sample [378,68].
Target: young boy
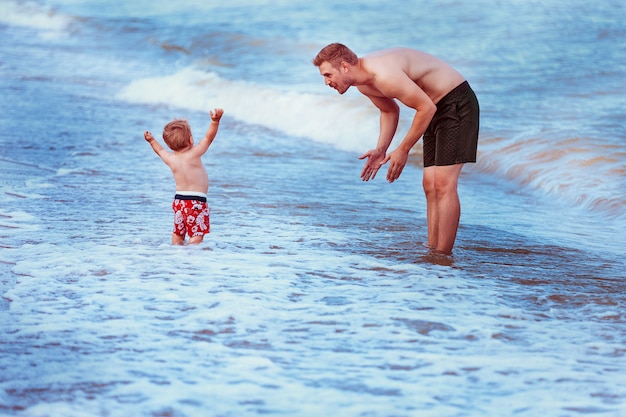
[191,212]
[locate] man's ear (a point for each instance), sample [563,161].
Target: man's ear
[344,66]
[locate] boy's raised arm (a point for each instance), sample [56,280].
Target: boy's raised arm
[211,132]
[156,146]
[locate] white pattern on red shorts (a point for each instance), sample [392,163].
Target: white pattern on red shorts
[191,217]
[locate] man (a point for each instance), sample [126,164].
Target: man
[446,114]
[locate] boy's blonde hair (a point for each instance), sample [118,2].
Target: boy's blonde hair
[176,134]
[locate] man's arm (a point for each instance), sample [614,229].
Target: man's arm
[389,116]
[211,132]
[408,92]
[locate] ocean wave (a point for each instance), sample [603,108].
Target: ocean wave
[579,171]
[575,170]
[348,123]
[36,16]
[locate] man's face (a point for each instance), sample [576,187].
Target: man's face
[334,77]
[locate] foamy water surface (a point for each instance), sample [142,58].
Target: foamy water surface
[314,293]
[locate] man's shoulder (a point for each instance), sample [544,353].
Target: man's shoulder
[394,60]
[393,51]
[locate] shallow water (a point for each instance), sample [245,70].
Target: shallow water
[314,293]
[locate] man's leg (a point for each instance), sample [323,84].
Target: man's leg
[432,217]
[443,208]
[448,205]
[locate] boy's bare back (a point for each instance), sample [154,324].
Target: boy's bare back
[186,163]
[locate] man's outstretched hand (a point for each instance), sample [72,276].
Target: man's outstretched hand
[397,160]
[376,159]
[372,165]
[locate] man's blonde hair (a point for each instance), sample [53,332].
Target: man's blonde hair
[335,54]
[176,134]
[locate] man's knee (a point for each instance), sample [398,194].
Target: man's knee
[444,184]
[447,178]
[428,183]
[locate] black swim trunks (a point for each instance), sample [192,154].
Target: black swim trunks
[452,135]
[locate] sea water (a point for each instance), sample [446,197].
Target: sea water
[314,293]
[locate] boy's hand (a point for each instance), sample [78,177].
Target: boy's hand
[216,115]
[148,136]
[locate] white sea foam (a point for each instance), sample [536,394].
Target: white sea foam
[310,297]
[17,221]
[257,329]
[349,123]
[36,16]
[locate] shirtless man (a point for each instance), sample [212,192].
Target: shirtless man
[446,114]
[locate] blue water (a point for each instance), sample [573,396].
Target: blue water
[314,293]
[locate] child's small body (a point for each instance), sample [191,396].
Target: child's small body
[191,211]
